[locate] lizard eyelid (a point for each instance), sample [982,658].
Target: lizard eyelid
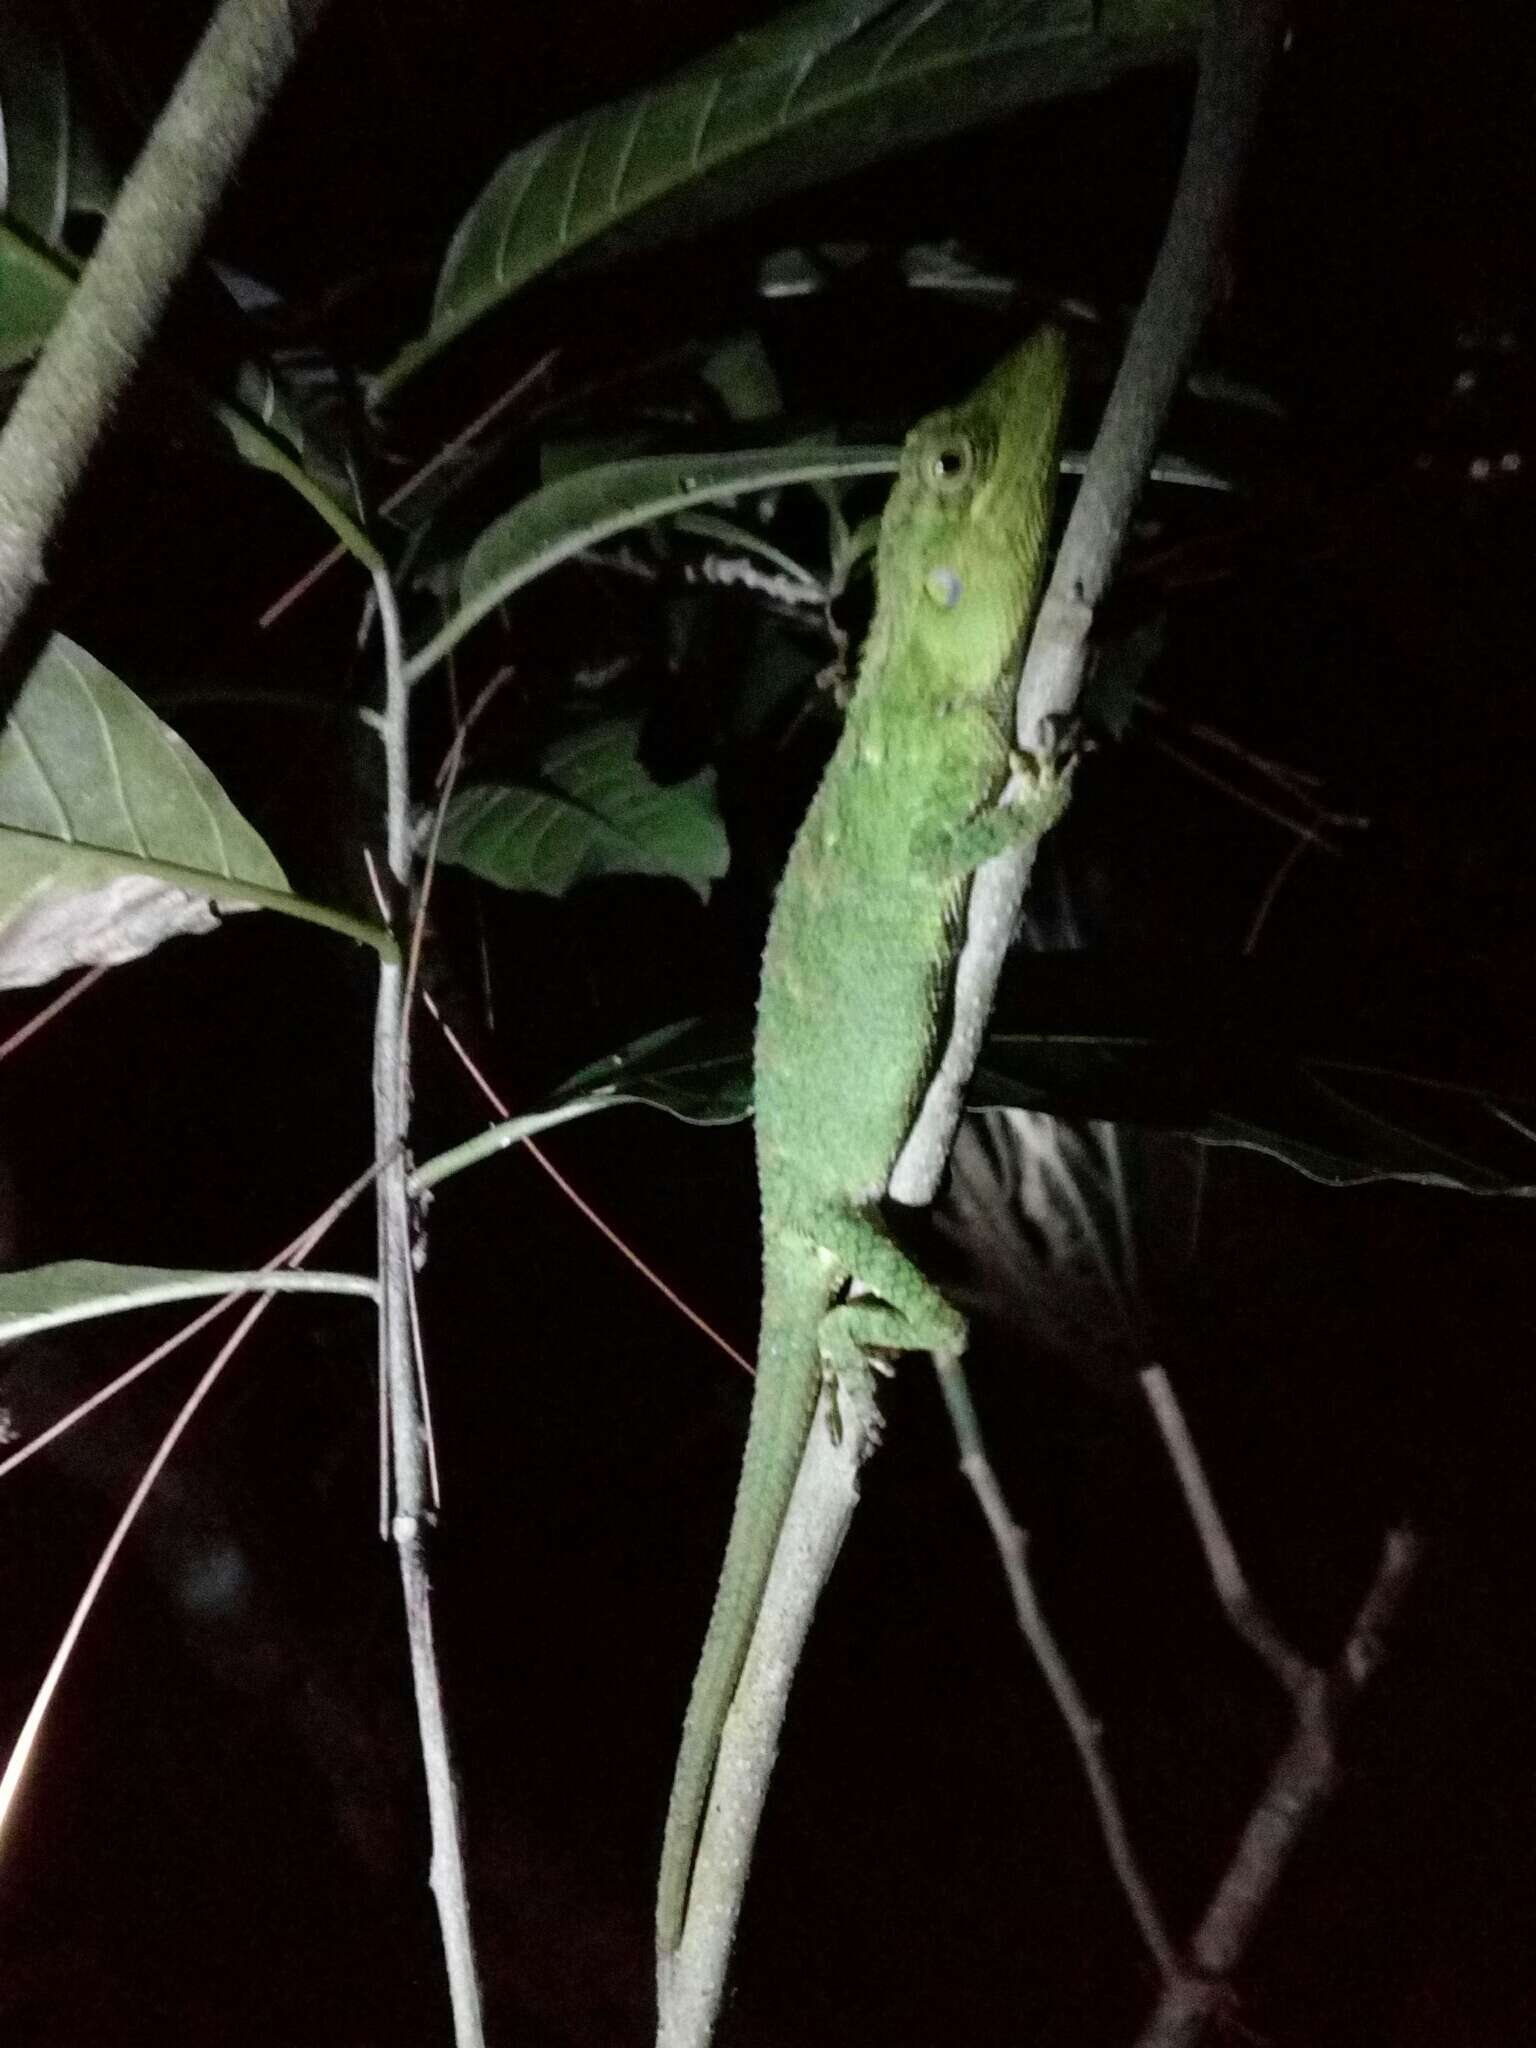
[951,464]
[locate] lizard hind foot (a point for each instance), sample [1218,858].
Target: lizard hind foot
[848,1373]
[860,1341]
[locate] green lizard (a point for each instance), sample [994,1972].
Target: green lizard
[857,971]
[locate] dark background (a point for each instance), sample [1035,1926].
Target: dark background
[222,1836]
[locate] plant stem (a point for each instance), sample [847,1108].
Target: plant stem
[414,1502]
[150,237]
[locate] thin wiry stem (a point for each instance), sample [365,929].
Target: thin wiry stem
[410,1466]
[1305,1774]
[1082,1726]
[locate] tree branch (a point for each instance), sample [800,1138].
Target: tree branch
[151,235]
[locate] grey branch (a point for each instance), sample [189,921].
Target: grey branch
[1306,1773]
[151,235]
[1233,64]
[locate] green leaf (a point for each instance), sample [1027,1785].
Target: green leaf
[267,426]
[113,834]
[76,1290]
[1333,1120]
[275,440]
[563,518]
[49,169]
[570,454]
[817,92]
[699,1070]
[1235,1056]
[34,289]
[601,815]
[50,166]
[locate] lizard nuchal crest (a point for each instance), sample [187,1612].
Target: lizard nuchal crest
[859,963]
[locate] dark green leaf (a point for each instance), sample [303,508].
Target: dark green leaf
[600,815]
[77,1290]
[1238,1058]
[816,92]
[49,164]
[88,771]
[49,169]
[1333,1120]
[114,836]
[699,1070]
[560,520]
[271,418]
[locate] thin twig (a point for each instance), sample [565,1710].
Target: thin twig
[17,1763]
[1277,881]
[1238,794]
[288,1256]
[1081,1725]
[1304,1777]
[152,233]
[413,483]
[1299,782]
[1239,1603]
[1306,1773]
[1234,59]
[410,1468]
[46,1015]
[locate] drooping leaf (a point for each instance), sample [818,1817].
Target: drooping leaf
[1333,1119]
[49,169]
[77,1290]
[819,91]
[600,814]
[576,512]
[114,836]
[50,165]
[698,1071]
[1239,1058]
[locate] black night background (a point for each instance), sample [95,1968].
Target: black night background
[221,1836]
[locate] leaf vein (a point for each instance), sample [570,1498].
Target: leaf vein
[903,34]
[139,844]
[35,760]
[584,149]
[696,154]
[615,191]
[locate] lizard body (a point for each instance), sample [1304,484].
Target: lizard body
[858,966]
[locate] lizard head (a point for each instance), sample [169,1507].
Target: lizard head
[966,524]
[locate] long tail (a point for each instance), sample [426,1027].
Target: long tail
[797,1290]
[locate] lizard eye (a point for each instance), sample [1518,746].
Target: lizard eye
[950,465]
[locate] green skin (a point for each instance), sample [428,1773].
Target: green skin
[859,965]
